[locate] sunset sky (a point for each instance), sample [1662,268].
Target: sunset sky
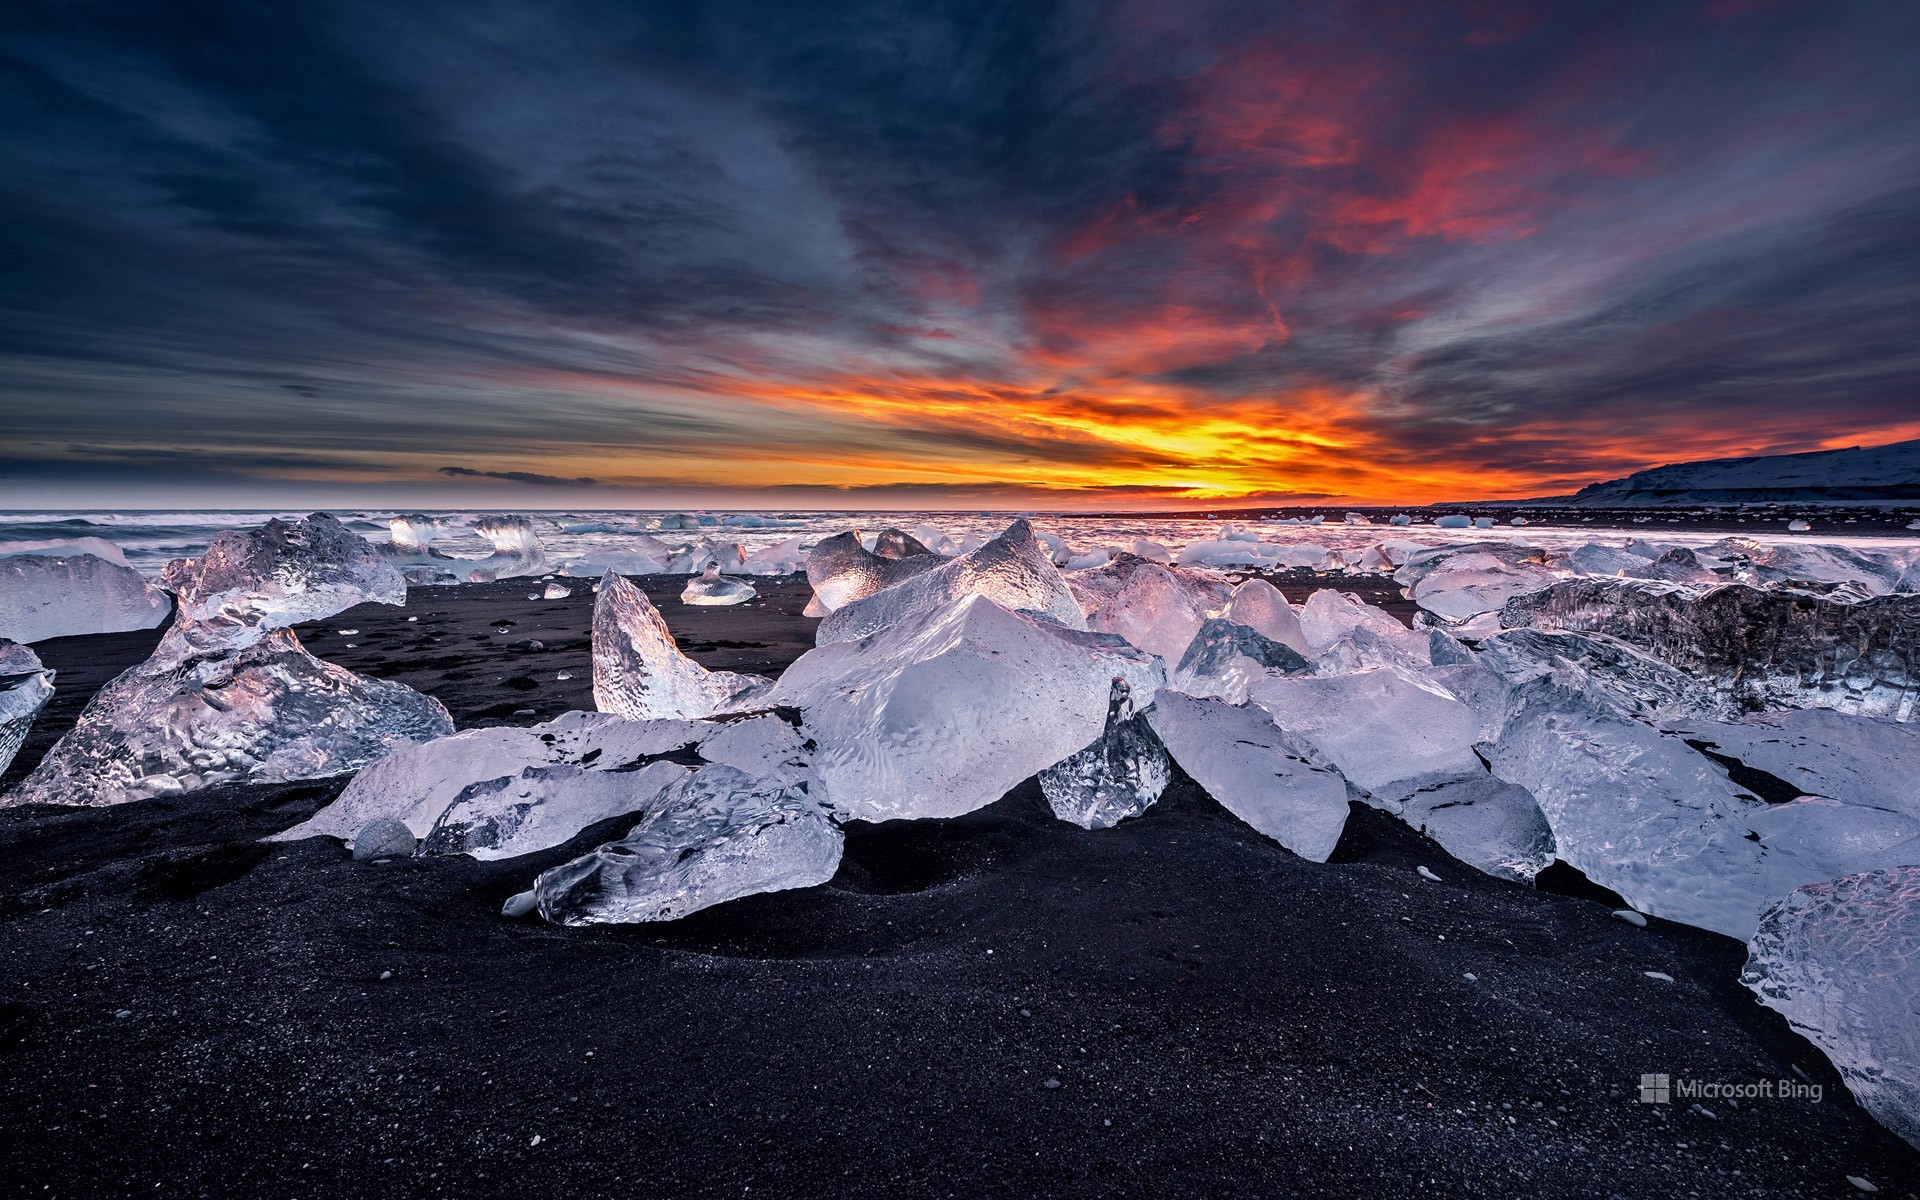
[923,255]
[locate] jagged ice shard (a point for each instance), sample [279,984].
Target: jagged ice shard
[1840,960]
[639,671]
[1757,649]
[709,587]
[47,596]
[1117,777]
[1013,570]
[1155,607]
[842,570]
[945,711]
[1643,685]
[717,835]
[1224,659]
[25,686]
[1261,607]
[229,695]
[1255,770]
[516,550]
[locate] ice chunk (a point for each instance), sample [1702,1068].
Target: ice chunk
[1255,770]
[410,539]
[1400,519]
[1457,584]
[1117,777]
[1012,570]
[1453,521]
[1645,686]
[1142,548]
[555,591]
[783,558]
[1224,659]
[67,548]
[263,713]
[1799,526]
[1262,607]
[1154,607]
[1816,568]
[1840,960]
[1646,815]
[709,588]
[638,670]
[46,596]
[1757,649]
[621,562]
[1678,565]
[25,686]
[842,570]
[248,583]
[898,543]
[1597,559]
[541,807]
[945,711]
[1860,760]
[715,836]
[516,549]
[1488,824]
[1483,522]
[1387,730]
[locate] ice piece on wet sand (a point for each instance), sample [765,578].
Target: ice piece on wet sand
[1453,521]
[495,793]
[1255,770]
[250,582]
[25,686]
[1840,959]
[263,713]
[556,591]
[638,670]
[1388,730]
[842,570]
[1117,777]
[709,587]
[715,836]
[1860,760]
[1645,686]
[1757,649]
[516,550]
[46,596]
[1262,607]
[1012,570]
[1646,815]
[946,711]
[1484,822]
[66,548]
[1224,659]
[410,539]
[1154,607]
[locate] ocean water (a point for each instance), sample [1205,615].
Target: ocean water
[150,538]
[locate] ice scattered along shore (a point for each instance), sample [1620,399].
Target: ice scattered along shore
[842,570]
[1013,570]
[1255,770]
[47,596]
[516,550]
[946,710]
[229,695]
[502,792]
[1841,961]
[709,587]
[716,835]
[1117,777]
[25,686]
[638,670]
[1758,649]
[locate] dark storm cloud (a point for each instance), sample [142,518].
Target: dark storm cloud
[1557,239]
[519,477]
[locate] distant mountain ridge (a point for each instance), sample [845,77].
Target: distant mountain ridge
[1857,474]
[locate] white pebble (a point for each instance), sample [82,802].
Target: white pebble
[1426,874]
[1660,975]
[1630,917]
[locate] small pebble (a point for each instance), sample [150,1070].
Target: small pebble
[1630,917]
[1660,975]
[123,1014]
[383,837]
[1863,1184]
[564,675]
[386,975]
[531,644]
[1025,1013]
[519,905]
[1470,977]
[535,1141]
[526,712]
[1051,1084]
[1426,874]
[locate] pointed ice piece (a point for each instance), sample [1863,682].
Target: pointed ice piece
[1757,649]
[1860,760]
[1488,824]
[1647,816]
[1255,770]
[1328,616]
[25,686]
[898,543]
[1840,960]
[1225,659]
[265,713]
[1117,777]
[842,570]
[46,596]
[516,550]
[946,711]
[1387,730]
[1645,686]
[1012,570]
[638,670]
[710,588]
[248,583]
[1262,607]
[714,836]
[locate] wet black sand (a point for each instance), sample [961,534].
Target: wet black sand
[1221,1017]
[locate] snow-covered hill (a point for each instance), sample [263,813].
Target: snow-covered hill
[1858,474]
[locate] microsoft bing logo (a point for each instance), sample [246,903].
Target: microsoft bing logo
[1656,1089]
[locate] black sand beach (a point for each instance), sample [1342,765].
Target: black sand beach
[1001,1004]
